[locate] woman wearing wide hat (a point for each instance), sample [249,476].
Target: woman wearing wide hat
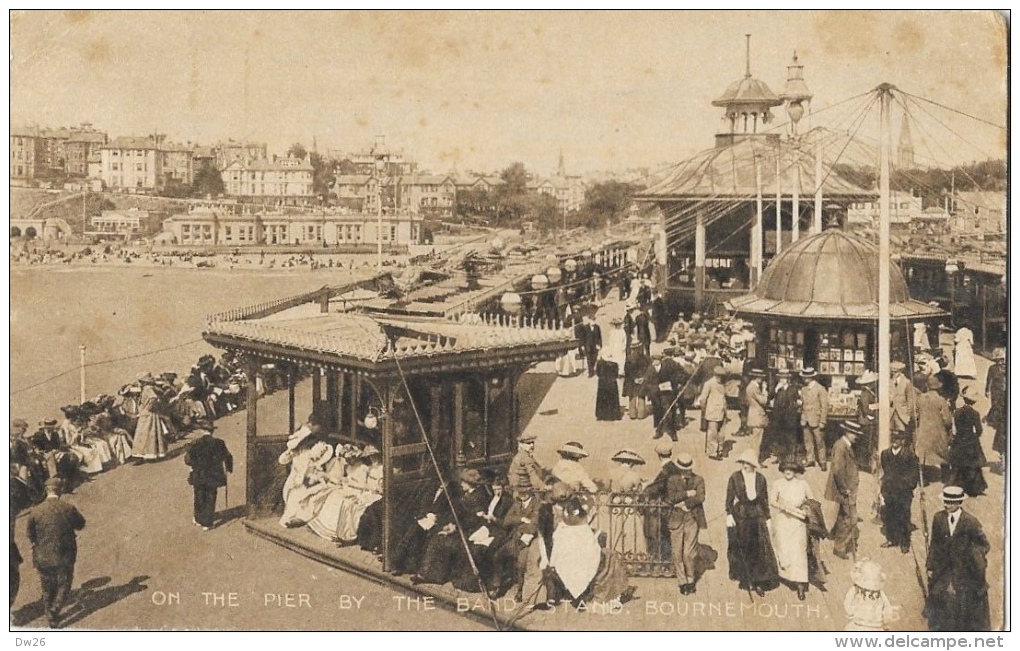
[749,552]
[966,458]
[569,469]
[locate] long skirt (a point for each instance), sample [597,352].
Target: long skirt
[790,540]
[150,436]
[750,554]
[607,399]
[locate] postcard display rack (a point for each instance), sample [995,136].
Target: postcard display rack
[840,354]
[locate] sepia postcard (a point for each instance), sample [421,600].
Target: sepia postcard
[509,320]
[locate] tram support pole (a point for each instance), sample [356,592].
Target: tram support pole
[884,263]
[81,364]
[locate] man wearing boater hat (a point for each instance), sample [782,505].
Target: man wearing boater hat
[686,492]
[842,489]
[956,565]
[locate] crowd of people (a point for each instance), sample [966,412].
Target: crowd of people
[936,434]
[135,426]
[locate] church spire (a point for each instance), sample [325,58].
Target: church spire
[561,170]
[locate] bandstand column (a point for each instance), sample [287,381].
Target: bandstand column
[779,200]
[699,260]
[251,428]
[757,231]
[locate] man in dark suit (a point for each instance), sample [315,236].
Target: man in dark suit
[656,520]
[592,343]
[957,561]
[510,562]
[686,492]
[21,497]
[842,489]
[657,383]
[782,433]
[642,330]
[51,529]
[899,478]
[210,462]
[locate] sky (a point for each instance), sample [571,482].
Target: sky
[478,90]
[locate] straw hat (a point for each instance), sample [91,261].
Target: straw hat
[628,456]
[953,495]
[748,457]
[573,449]
[897,367]
[684,461]
[527,437]
[757,372]
[969,394]
[663,449]
[852,427]
[320,452]
[867,377]
[868,575]
[999,355]
[369,451]
[809,373]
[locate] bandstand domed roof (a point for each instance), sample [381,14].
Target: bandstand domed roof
[830,275]
[748,90]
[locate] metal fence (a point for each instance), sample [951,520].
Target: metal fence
[634,527]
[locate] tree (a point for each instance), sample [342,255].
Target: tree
[512,196]
[606,201]
[322,175]
[297,150]
[208,181]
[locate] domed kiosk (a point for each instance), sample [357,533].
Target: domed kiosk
[817,306]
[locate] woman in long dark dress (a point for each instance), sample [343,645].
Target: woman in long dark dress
[966,458]
[607,395]
[750,555]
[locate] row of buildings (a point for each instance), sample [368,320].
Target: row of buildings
[152,164]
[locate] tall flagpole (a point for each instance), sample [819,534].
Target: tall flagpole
[884,344]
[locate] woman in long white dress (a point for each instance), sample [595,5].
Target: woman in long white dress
[921,340]
[789,526]
[341,509]
[965,364]
[306,484]
[615,349]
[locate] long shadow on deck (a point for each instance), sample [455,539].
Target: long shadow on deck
[532,389]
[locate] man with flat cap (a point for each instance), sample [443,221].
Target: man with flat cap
[956,565]
[713,412]
[525,475]
[842,489]
[685,491]
[51,528]
[210,461]
[656,521]
[904,399]
[814,412]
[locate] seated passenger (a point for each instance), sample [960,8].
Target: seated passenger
[342,507]
[307,456]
